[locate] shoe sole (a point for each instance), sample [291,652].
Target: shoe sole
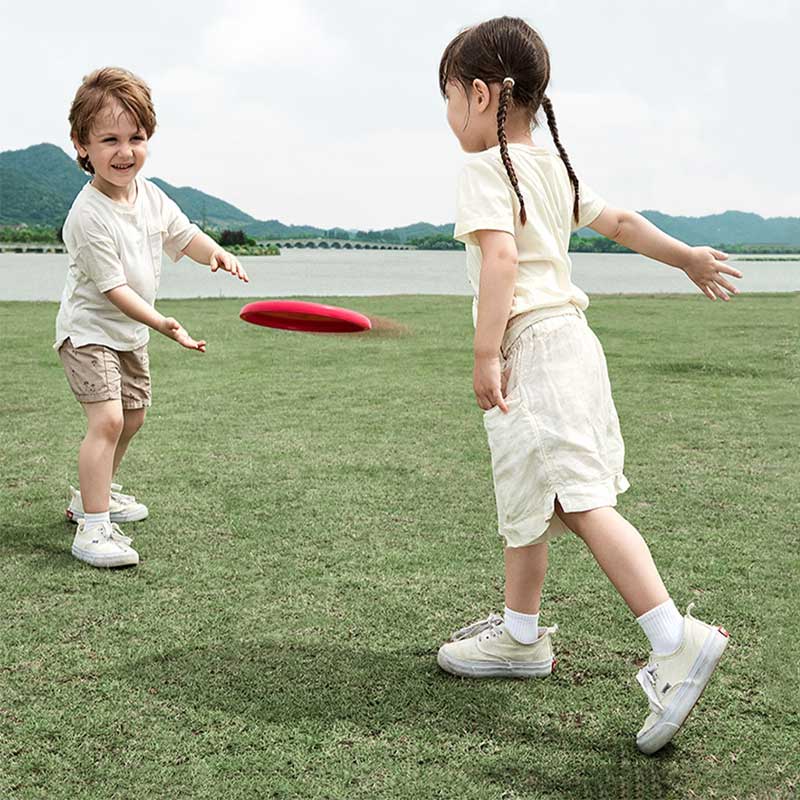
[481,669]
[131,516]
[687,696]
[121,560]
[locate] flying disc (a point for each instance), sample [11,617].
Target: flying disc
[298,315]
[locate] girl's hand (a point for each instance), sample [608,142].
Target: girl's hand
[705,270]
[487,383]
[172,328]
[222,259]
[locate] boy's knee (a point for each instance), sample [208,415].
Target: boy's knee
[134,419]
[108,425]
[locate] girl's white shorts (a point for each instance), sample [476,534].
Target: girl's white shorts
[560,437]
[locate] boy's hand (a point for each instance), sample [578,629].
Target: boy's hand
[222,259]
[172,328]
[487,383]
[705,270]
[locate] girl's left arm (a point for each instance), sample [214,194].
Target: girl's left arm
[204,250]
[495,295]
[703,265]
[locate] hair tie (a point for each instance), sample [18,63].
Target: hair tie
[507,80]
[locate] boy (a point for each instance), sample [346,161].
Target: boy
[115,233]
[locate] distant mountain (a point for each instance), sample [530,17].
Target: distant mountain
[200,206]
[39,183]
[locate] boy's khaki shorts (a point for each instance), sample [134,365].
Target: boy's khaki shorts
[96,373]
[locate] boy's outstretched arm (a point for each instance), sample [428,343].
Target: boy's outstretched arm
[703,265]
[204,250]
[130,304]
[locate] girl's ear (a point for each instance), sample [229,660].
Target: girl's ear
[79,148]
[482,94]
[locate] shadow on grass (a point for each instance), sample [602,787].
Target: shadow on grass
[52,540]
[289,684]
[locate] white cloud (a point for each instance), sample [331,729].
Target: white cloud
[258,33]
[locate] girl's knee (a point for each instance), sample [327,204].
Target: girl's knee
[579,522]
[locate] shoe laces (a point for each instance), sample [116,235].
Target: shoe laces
[125,499]
[491,623]
[112,532]
[648,678]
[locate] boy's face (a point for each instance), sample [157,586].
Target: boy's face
[117,148]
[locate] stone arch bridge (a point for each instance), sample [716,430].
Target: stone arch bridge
[335,244]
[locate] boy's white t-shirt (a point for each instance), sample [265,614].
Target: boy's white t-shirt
[111,244]
[487,201]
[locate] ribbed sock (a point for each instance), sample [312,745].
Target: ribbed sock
[95,519]
[663,626]
[523,627]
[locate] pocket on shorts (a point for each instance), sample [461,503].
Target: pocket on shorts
[510,444]
[512,399]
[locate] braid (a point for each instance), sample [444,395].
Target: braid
[551,121]
[502,110]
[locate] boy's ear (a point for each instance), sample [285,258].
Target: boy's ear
[80,149]
[481,94]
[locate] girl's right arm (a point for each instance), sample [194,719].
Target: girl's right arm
[130,304]
[703,265]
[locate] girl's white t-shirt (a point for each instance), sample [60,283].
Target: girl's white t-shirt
[487,201]
[111,244]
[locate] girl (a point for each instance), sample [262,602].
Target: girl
[540,374]
[115,233]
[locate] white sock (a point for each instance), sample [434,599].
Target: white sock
[663,626]
[523,627]
[95,519]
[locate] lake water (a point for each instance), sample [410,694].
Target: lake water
[376,272]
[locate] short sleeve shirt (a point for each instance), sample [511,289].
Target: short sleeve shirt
[487,201]
[112,244]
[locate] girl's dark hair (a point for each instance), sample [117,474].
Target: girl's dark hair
[507,47]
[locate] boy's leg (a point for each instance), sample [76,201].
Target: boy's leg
[133,419]
[96,456]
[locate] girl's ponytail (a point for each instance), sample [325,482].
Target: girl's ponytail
[551,122]
[502,110]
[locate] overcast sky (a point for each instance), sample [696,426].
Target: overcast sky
[328,113]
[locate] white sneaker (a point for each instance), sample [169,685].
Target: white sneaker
[674,682]
[121,507]
[485,649]
[103,545]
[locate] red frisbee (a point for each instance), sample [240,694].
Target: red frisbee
[298,315]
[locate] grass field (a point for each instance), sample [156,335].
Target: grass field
[322,518]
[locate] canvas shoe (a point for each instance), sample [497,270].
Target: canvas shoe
[103,545]
[121,507]
[485,649]
[674,682]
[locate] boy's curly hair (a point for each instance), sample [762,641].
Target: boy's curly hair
[96,91]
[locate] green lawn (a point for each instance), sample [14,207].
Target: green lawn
[322,517]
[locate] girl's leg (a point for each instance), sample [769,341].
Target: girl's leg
[525,571]
[133,419]
[622,554]
[96,456]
